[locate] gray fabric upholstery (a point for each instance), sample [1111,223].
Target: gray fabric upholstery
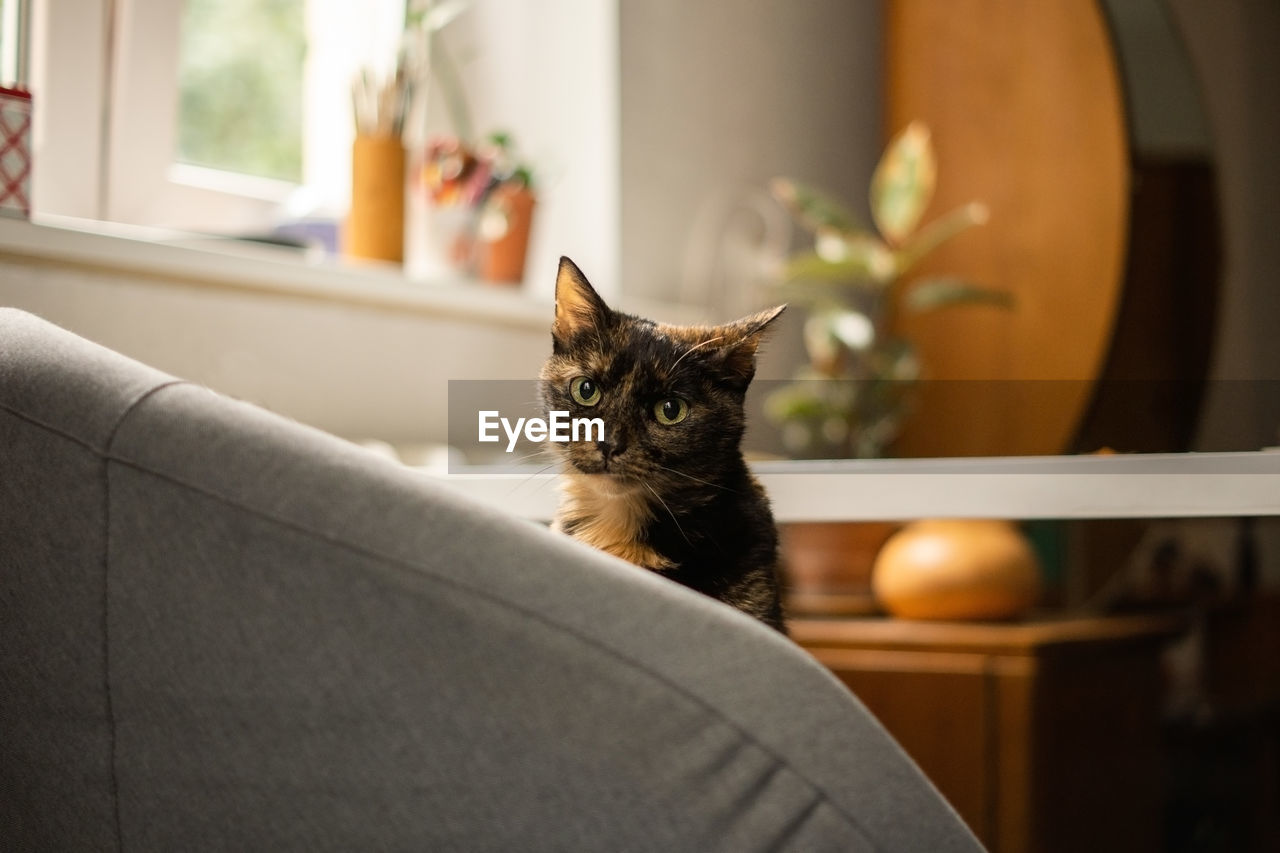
[220,630]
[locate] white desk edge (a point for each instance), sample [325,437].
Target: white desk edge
[1176,485]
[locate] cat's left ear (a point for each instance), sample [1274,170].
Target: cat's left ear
[742,339]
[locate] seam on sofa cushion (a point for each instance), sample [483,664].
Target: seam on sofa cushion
[133,404]
[106,647]
[105,449]
[400,563]
[105,455]
[790,829]
[61,433]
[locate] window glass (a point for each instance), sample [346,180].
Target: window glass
[240,86]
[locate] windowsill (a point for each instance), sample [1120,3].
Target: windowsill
[205,261]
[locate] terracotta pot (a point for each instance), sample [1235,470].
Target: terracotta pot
[828,566]
[947,569]
[502,255]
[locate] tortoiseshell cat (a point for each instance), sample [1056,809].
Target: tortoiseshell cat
[668,488]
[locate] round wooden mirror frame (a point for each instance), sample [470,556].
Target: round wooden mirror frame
[1110,337]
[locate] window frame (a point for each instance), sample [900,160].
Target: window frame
[144,185]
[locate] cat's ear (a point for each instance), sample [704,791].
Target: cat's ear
[578,307]
[740,342]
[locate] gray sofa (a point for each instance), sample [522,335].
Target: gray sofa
[221,630]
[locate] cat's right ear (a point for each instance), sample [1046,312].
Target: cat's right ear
[578,307]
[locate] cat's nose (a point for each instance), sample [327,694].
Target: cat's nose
[608,449]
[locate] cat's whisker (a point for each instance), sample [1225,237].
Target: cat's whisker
[674,520]
[695,347]
[532,476]
[544,469]
[714,542]
[541,451]
[695,479]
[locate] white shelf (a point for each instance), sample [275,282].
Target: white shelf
[1067,487]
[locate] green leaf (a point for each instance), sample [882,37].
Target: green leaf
[860,258]
[823,295]
[795,401]
[809,266]
[813,208]
[850,329]
[934,293]
[437,16]
[941,230]
[903,183]
[860,248]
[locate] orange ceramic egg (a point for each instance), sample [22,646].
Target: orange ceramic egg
[956,569]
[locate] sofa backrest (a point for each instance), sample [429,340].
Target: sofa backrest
[223,630]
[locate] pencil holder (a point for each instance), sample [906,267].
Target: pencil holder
[375,224]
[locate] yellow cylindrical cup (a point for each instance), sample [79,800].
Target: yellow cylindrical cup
[375,225]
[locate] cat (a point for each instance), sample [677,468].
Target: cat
[668,488]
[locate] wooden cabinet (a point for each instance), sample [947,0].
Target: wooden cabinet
[1044,736]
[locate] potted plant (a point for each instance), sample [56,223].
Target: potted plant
[473,199]
[481,200]
[851,397]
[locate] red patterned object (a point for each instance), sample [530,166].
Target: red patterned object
[15,152]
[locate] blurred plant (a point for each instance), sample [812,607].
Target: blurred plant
[508,175]
[851,398]
[458,169]
[455,173]
[240,86]
[477,184]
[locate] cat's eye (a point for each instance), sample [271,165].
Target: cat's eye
[671,411]
[584,391]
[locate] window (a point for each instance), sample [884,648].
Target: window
[109,118]
[224,112]
[240,86]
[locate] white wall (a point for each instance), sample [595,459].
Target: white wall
[547,71]
[357,367]
[67,128]
[718,97]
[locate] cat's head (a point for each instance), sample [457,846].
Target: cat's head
[671,397]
